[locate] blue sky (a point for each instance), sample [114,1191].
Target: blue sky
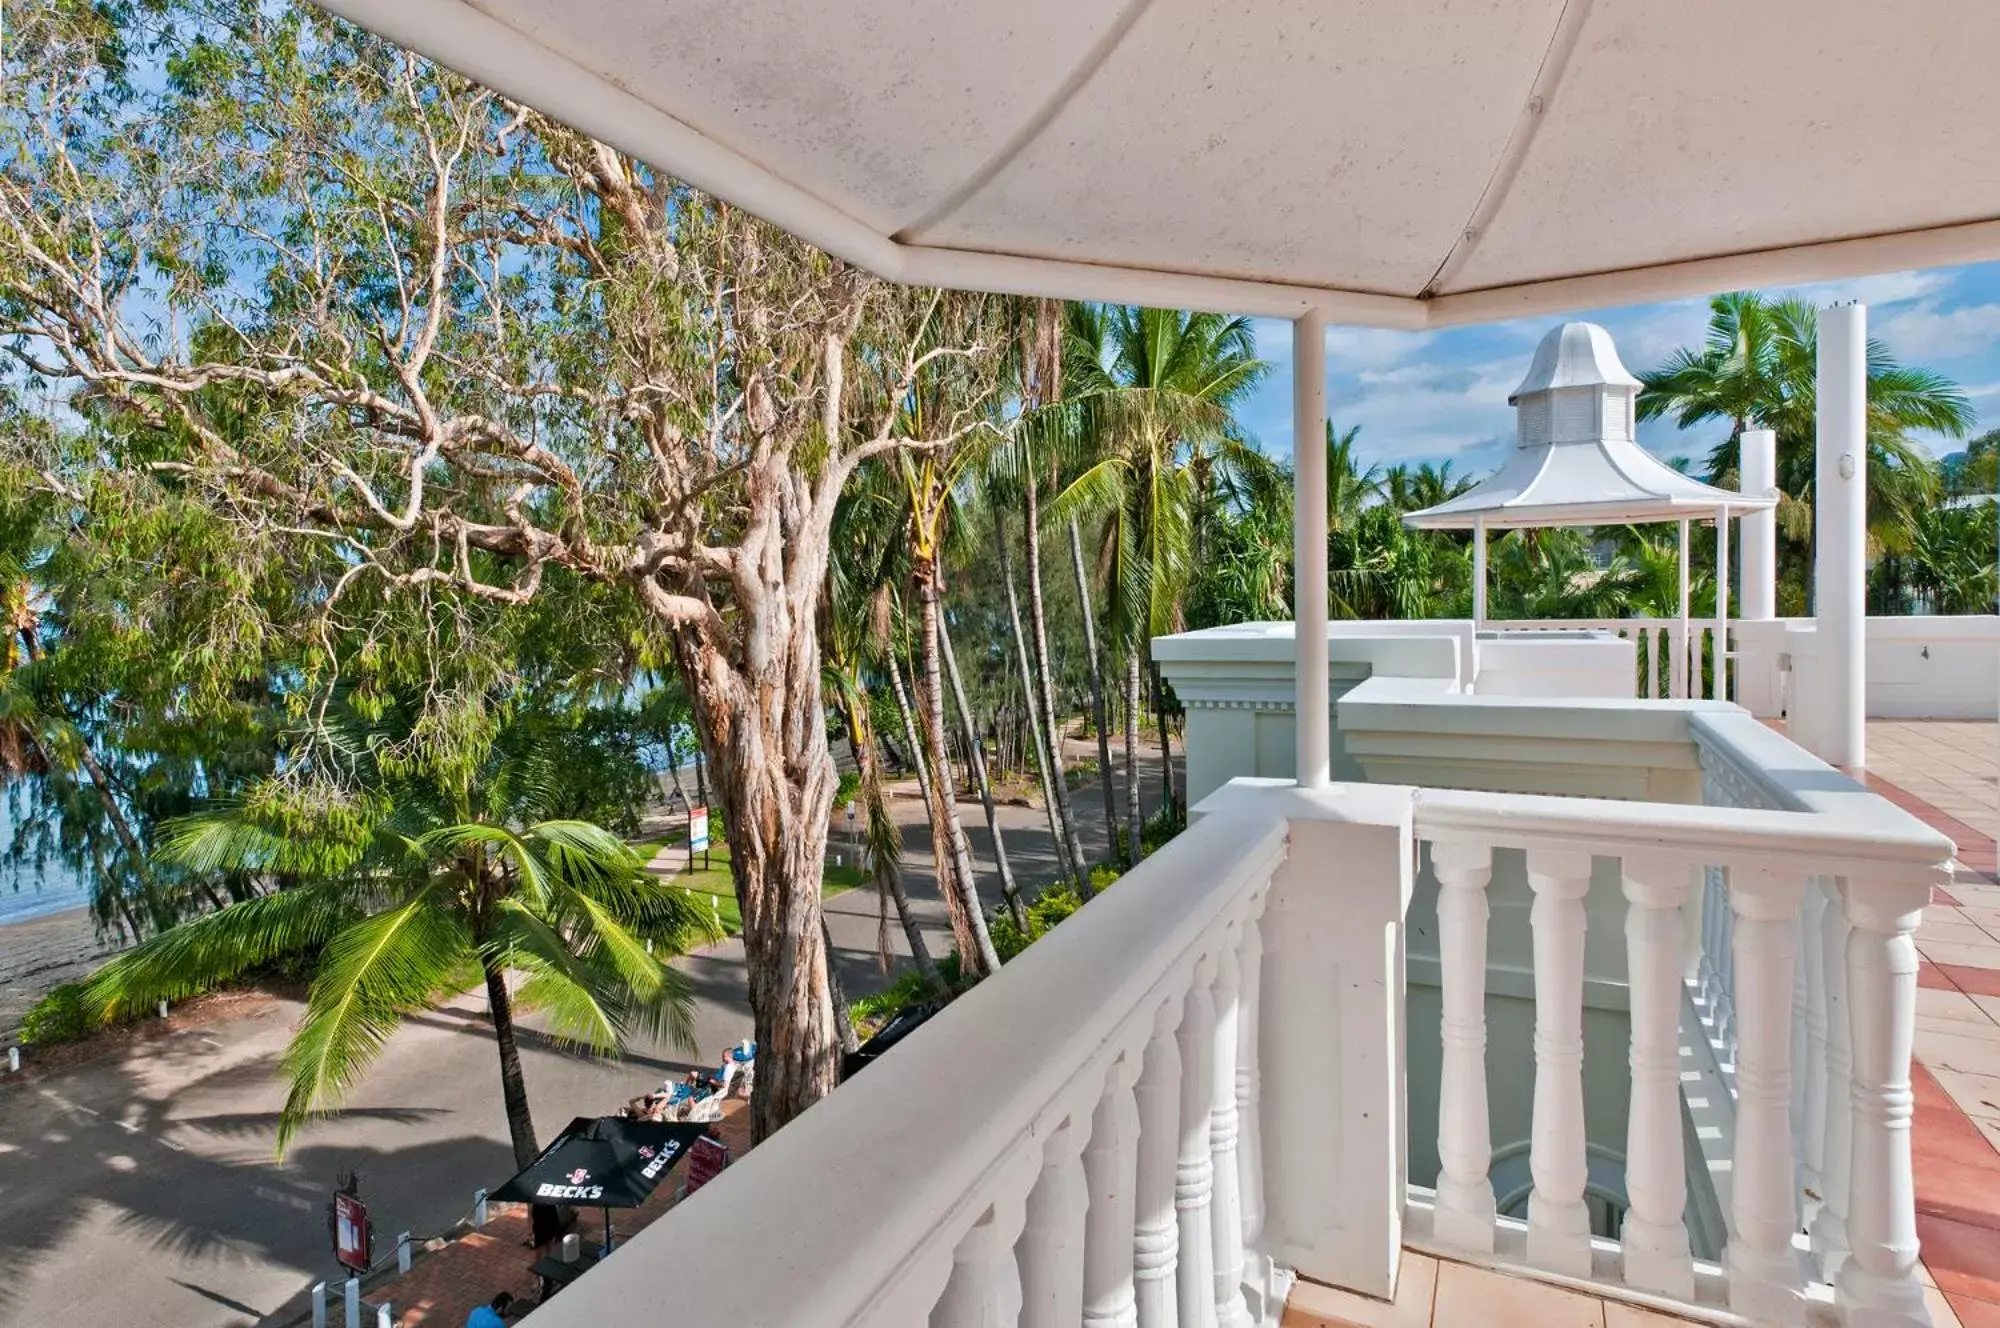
[1430,396]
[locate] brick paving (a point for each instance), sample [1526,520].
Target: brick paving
[445,1284]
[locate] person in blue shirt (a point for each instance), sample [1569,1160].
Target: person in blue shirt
[491,1315]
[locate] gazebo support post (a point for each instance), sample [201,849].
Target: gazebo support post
[1686,658]
[1312,717]
[1720,691]
[1478,573]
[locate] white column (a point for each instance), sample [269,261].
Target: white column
[1465,1206]
[1840,534]
[1878,1285]
[1829,1227]
[1654,1237]
[1478,571]
[1194,1177]
[1226,1222]
[1050,1250]
[1720,690]
[1757,476]
[1314,714]
[1684,674]
[1155,1237]
[1558,1218]
[1111,1171]
[1764,1279]
[985,1287]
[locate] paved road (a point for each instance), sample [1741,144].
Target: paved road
[142,1189]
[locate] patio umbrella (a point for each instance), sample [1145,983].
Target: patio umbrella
[610,1162]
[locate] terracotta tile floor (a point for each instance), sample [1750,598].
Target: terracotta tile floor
[1947,774]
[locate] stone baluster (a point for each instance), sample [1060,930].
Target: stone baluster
[1829,1227]
[1811,1088]
[1249,1096]
[1654,1237]
[1649,644]
[1050,1250]
[1764,1279]
[1465,1207]
[1225,1139]
[1194,1176]
[1110,1176]
[985,1286]
[1558,1218]
[1878,1284]
[1155,1236]
[1725,1000]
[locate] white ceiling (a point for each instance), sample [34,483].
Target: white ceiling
[1398,162]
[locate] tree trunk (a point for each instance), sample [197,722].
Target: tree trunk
[903,708]
[513,1088]
[968,923]
[1135,820]
[885,846]
[977,751]
[1033,710]
[1071,847]
[843,1020]
[1097,708]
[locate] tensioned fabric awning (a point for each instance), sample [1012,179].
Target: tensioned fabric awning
[1407,164]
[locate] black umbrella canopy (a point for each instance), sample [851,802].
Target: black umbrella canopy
[609,1162]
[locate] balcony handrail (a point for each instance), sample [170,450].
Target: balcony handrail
[1886,844]
[850,1214]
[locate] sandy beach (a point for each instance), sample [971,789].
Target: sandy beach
[40,953]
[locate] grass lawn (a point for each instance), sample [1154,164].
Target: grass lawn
[715,881]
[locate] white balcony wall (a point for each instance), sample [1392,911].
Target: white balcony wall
[1917,667]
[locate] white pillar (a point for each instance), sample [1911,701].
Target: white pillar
[1111,1170]
[1558,1218]
[1764,1279]
[1050,1250]
[351,1303]
[1194,1177]
[1154,1236]
[1224,1138]
[1478,571]
[1720,690]
[1654,1236]
[1465,1208]
[1687,661]
[1878,1285]
[1314,714]
[1840,534]
[1757,476]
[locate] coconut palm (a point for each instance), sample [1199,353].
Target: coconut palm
[1157,388]
[410,887]
[1757,369]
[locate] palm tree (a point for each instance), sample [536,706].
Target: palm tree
[410,885]
[1757,369]
[1157,387]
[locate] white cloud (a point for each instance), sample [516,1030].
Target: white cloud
[1357,348]
[1930,333]
[1888,288]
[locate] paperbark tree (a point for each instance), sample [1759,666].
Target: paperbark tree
[427,342]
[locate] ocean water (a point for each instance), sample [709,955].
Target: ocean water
[30,891]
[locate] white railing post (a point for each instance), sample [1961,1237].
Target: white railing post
[1764,1278]
[985,1286]
[1155,1238]
[1810,1089]
[1558,1218]
[1465,1208]
[1111,1171]
[1654,1235]
[1194,1176]
[1829,1227]
[1878,1285]
[1224,1138]
[1249,1094]
[1050,1250]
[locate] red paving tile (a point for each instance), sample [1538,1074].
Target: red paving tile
[1932,978]
[1974,1313]
[1971,981]
[1965,1259]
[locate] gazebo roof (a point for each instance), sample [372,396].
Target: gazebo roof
[1414,164]
[1576,461]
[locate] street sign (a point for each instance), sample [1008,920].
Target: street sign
[352,1237]
[697,829]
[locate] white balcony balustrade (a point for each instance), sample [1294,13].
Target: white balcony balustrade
[1197,1087]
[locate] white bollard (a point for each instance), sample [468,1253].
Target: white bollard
[319,1304]
[13,1060]
[384,1317]
[403,1252]
[571,1247]
[479,1208]
[353,1306]
[163,1009]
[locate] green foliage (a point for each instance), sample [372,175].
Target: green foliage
[63,1015]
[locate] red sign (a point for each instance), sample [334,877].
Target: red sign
[351,1236]
[705,1162]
